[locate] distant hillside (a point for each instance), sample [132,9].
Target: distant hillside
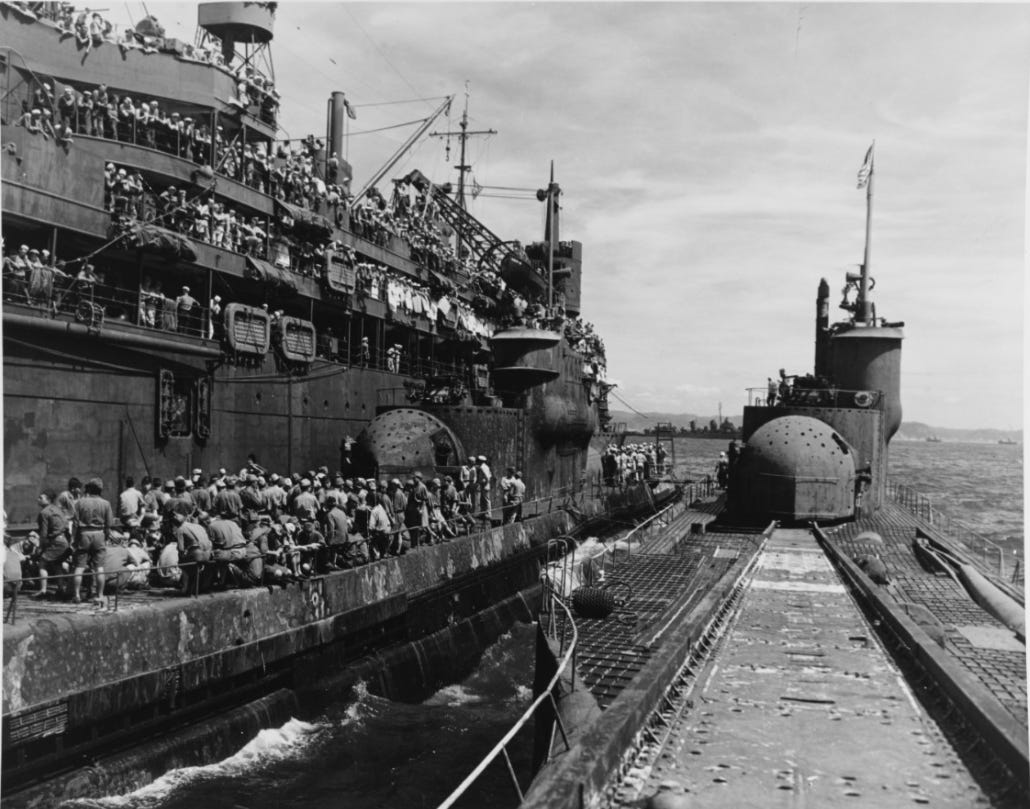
[910,430]
[917,431]
[637,423]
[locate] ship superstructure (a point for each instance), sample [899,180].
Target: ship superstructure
[186,290]
[213,293]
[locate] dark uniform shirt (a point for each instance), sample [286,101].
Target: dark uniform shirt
[337,526]
[228,502]
[201,498]
[226,534]
[305,506]
[182,504]
[93,513]
[253,500]
[190,535]
[52,525]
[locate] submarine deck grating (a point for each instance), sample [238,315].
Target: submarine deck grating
[1002,671]
[610,651]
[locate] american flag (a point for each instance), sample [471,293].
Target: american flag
[867,168]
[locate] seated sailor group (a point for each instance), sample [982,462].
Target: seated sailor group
[206,532]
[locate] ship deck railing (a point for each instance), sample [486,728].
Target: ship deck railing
[566,641]
[94,304]
[802,396]
[991,556]
[97,304]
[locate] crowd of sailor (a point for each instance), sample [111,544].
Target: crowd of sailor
[632,463]
[292,176]
[289,175]
[242,530]
[32,275]
[203,218]
[91,29]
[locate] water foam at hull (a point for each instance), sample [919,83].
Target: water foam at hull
[292,740]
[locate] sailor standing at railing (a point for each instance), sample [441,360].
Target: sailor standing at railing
[484,482]
[94,519]
[54,545]
[67,108]
[185,305]
[379,530]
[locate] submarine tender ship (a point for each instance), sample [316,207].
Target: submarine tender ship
[196,293]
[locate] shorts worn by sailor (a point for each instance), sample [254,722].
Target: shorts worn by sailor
[90,547]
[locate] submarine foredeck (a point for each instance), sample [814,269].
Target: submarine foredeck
[770,667]
[800,704]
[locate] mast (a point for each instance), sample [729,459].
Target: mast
[463,168]
[551,194]
[863,311]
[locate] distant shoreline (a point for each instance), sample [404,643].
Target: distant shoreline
[709,436]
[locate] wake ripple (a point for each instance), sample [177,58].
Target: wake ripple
[270,745]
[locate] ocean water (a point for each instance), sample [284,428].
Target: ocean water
[979,484]
[367,751]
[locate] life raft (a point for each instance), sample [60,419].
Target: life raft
[864,398]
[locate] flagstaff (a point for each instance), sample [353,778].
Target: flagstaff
[865,178]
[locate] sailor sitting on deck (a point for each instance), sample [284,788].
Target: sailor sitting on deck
[239,561]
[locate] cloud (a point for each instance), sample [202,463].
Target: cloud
[707,153]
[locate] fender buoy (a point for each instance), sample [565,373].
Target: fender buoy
[864,398]
[602,601]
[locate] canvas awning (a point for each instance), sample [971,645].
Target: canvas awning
[164,242]
[305,219]
[281,280]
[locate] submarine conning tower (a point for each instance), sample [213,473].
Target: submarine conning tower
[855,392]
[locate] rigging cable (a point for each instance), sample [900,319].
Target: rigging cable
[384,128]
[380,50]
[403,101]
[627,404]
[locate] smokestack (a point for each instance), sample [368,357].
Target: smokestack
[337,107]
[822,327]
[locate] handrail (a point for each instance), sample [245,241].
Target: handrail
[989,553]
[551,600]
[547,694]
[148,310]
[801,396]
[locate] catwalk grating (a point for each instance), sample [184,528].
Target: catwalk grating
[612,651]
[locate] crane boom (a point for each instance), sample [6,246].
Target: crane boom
[483,243]
[412,139]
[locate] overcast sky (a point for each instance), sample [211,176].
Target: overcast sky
[708,154]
